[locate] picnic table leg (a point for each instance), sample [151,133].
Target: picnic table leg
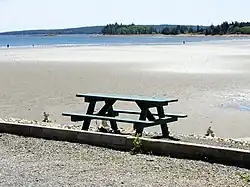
[108,109]
[143,116]
[112,122]
[145,113]
[164,127]
[86,122]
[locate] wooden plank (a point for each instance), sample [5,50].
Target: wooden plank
[166,120]
[155,114]
[143,116]
[106,108]
[112,114]
[90,110]
[176,115]
[164,127]
[105,97]
[81,117]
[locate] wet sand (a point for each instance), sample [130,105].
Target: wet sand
[211,81]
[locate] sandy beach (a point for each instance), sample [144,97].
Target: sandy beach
[211,81]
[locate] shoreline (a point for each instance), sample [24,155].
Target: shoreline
[181,35]
[239,38]
[129,35]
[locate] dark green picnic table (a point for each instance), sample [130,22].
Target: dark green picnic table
[109,113]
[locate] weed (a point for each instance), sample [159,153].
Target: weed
[138,147]
[245,177]
[105,124]
[210,132]
[46,117]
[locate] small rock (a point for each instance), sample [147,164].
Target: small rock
[102,129]
[150,159]
[157,167]
[220,139]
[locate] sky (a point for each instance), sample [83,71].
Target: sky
[50,14]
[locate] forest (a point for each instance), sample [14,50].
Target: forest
[222,29]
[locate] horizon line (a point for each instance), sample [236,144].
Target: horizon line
[46,29]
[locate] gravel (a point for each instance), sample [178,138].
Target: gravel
[39,162]
[216,141]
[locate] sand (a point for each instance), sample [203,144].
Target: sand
[211,81]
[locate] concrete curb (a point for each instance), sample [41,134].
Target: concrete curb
[228,156]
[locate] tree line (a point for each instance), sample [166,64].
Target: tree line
[224,28]
[229,28]
[120,29]
[69,31]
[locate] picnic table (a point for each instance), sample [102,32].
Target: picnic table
[107,112]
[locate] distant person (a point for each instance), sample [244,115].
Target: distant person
[8,45]
[184,42]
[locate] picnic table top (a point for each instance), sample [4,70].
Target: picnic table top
[99,96]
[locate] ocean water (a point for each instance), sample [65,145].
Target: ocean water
[64,40]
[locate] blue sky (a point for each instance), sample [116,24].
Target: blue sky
[37,14]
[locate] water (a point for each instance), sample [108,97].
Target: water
[239,100]
[244,107]
[27,41]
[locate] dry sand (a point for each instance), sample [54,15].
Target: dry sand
[211,81]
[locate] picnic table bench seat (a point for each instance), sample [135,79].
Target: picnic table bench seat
[139,123]
[155,114]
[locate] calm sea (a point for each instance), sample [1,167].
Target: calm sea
[28,41]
